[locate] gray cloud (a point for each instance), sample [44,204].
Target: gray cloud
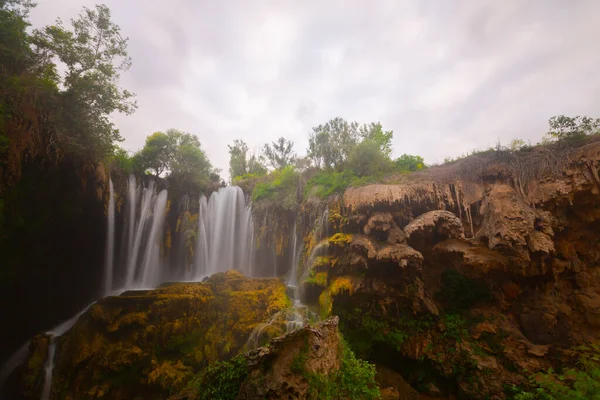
[447,77]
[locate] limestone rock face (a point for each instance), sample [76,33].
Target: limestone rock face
[471,276]
[274,371]
[507,218]
[432,227]
[148,344]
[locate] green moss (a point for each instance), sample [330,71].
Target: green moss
[340,239]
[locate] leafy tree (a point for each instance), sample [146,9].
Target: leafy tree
[190,159]
[330,144]
[374,131]
[238,153]
[367,159]
[280,153]
[407,162]
[157,153]
[566,128]
[121,160]
[94,53]
[256,164]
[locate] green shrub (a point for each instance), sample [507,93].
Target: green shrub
[354,380]
[327,183]
[280,186]
[580,383]
[221,380]
[409,163]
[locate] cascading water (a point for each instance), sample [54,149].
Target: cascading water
[55,333]
[225,240]
[110,242]
[225,232]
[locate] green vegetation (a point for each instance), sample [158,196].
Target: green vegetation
[221,380]
[280,186]
[363,329]
[94,53]
[354,380]
[75,103]
[563,128]
[280,154]
[579,383]
[178,153]
[344,153]
[459,292]
[242,165]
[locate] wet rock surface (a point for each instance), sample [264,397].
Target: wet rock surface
[150,343]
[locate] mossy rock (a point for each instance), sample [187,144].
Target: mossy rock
[150,343]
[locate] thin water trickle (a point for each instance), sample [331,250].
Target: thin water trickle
[110,241]
[55,333]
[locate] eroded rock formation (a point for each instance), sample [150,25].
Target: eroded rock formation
[468,282]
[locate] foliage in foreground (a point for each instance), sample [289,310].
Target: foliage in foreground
[580,383]
[354,380]
[221,380]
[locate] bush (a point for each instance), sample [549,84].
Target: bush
[354,380]
[280,186]
[578,383]
[221,380]
[409,163]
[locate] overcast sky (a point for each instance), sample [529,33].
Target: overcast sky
[446,76]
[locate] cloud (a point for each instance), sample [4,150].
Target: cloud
[447,77]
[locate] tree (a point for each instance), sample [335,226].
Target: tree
[157,153]
[256,164]
[565,128]
[367,159]
[94,53]
[238,153]
[280,153]
[374,131]
[330,144]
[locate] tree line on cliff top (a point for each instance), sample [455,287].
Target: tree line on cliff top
[75,102]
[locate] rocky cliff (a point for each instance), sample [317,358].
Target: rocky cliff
[468,278]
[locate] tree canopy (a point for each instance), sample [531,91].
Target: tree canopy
[280,153]
[565,128]
[74,102]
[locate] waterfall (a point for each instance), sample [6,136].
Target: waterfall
[55,333]
[225,229]
[143,266]
[110,242]
[292,281]
[132,200]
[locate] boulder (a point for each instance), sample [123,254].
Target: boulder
[280,370]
